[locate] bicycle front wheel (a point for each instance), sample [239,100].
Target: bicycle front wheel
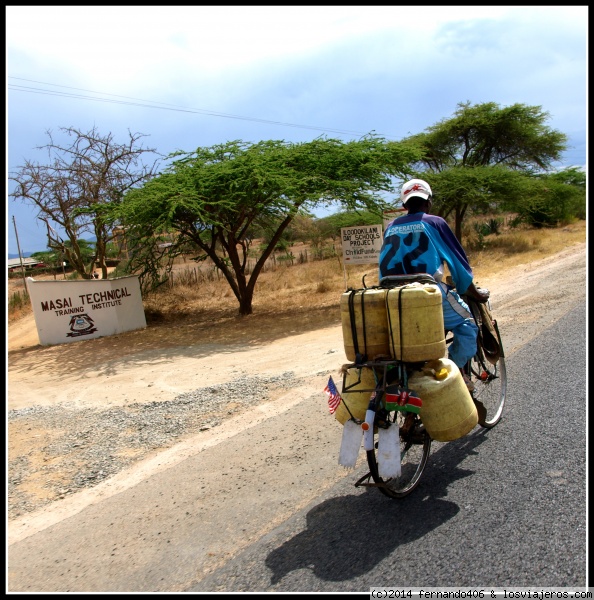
[490,387]
[415,446]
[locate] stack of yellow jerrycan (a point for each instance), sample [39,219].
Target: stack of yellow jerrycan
[356,400]
[448,411]
[403,323]
[415,322]
[365,323]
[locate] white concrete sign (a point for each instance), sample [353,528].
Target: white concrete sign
[361,245]
[71,311]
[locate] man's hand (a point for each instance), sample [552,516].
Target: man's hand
[479,294]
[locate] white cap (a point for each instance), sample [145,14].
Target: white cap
[415,187]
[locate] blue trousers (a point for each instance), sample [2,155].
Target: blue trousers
[458,319]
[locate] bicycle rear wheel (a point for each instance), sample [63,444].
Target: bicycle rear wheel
[415,446]
[490,387]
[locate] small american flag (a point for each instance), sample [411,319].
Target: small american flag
[334,398]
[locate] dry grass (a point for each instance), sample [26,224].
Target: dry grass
[299,288]
[307,295]
[19,304]
[521,246]
[287,292]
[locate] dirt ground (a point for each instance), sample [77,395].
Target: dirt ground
[163,361]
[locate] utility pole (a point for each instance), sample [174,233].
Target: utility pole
[20,255]
[48,237]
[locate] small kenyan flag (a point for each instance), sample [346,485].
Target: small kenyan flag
[398,398]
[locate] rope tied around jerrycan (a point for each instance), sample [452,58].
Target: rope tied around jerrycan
[359,357]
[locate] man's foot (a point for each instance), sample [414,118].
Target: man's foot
[418,434]
[408,424]
[412,429]
[481,410]
[468,382]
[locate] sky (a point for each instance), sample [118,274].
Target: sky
[189,77]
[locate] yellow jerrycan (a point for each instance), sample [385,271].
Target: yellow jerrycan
[448,411]
[415,321]
[356,400]
[364,313]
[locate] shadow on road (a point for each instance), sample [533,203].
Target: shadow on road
[348,536]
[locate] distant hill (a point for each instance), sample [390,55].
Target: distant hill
[25,255]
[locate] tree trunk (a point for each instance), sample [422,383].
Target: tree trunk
[458,224]
[245,304]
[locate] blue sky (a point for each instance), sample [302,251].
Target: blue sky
[202,75]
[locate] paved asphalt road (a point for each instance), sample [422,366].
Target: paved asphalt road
[505,507]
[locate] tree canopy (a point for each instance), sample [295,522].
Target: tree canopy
[485,154]
[83,177]
[215,201]
[213,198]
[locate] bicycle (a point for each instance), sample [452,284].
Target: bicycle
[486,370]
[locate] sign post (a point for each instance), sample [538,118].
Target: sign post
[16,233]
[360,245]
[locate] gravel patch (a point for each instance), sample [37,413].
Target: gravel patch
[86,446]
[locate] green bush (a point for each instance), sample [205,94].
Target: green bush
[554,204]
[493,225]
[515,222]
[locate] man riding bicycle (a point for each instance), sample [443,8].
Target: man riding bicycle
[419,242]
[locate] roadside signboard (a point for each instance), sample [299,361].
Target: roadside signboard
[362,244]
[78,310]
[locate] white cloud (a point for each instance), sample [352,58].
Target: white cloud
[128,44]
[392,69]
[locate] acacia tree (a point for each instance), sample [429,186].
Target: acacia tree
[83,177]
[56,259]
[485,154]
[561,198]
[214,197]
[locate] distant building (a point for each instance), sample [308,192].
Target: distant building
[14,264]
